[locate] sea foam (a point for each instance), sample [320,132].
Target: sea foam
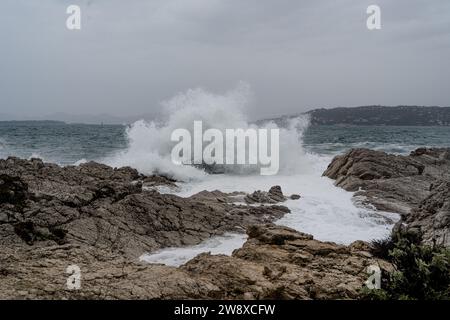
[325,211]
[149,144]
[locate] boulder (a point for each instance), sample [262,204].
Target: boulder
[274,195]
[432,216]
[415,186]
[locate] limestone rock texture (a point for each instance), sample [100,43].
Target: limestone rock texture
[107,208]
[415,186]
[101,219]
[275,263]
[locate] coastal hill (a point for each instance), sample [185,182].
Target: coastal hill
[365,115]
[377,115]
[381,115]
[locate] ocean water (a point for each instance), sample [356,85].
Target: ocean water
[325,211]
[67,144]
[64,144]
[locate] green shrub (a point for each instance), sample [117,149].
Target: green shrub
[420,271]
[381,248]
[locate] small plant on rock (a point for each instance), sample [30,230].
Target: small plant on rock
[420,271]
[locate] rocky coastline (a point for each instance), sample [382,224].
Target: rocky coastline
[102,219]
[417,186]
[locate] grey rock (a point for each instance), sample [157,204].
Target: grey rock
[274,195]
[416,186]
[276,262]
[106,208]
[101,219]
[432,215]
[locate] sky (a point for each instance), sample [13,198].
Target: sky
[131,56]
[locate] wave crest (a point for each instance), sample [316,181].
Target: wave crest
[149,144]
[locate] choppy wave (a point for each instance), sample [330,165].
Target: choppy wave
[149,145]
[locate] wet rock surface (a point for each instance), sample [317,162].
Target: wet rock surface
[416,186]
[98,206]
[274,195]
[432,216]
[102,219]
[275,263]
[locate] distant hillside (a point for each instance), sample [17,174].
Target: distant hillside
[380,115]
[376,116]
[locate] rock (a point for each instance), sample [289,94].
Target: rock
[295,197]
[12,190]
[102,219]
[432,216]
[280,263]
[275,263]
[359,165]
[416,186]
[108,209]
[158,181]
[275,235]
[274,195]
[387,180]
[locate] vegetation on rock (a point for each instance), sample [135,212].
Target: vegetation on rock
[420,271]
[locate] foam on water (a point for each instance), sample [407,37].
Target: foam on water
[177,256]
[325,211]
[150,146]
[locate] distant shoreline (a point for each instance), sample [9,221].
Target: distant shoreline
[374,116]
[51,122]
[413,116]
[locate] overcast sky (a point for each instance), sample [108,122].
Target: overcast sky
[296,55]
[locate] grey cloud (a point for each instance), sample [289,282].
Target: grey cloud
[131,55]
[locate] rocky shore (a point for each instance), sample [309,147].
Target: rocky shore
[416,186]
[275,263]
[102,219]
[118,210]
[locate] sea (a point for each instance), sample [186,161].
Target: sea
[327,212]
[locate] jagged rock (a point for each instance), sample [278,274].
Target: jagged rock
[275,235]
[274,195]
[402,184]
[389,182]
[158,181]
[12,190]
[280,263]
[102,219]
[276,262]
[432,216]
[106,208]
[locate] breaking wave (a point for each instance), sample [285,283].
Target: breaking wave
[150,146]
